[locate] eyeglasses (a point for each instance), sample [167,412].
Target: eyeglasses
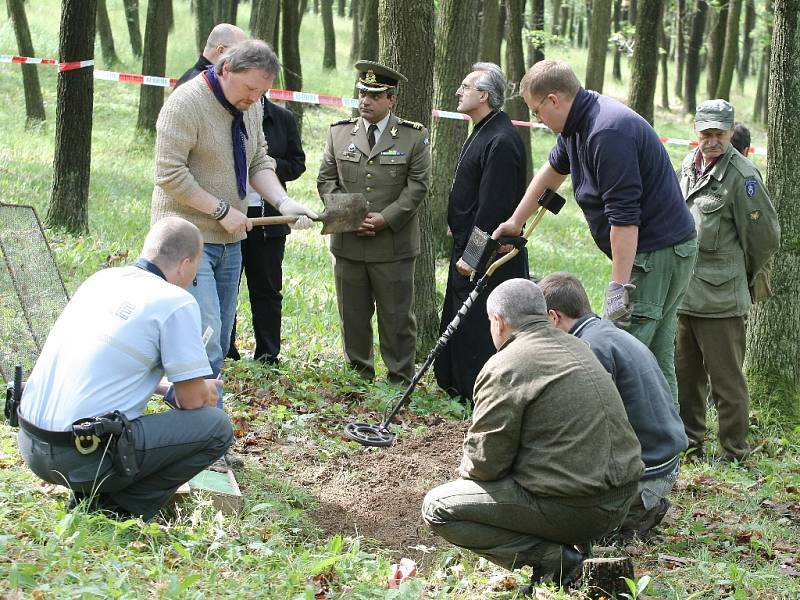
[464,86]
[535,111]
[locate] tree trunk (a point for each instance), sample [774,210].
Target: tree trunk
[34,105]
[407,43]
[290,53]
[772,368]
[204,15]
[644,70]
[132,19]
[266,16]
[762,87]
[731,50]
[536,26]
[747,42]
[456,50]
[355,41]
[69,199]
[680,46]
[515,70]
[692,75]
[555,11]
[106,35]
[489,40]
[154,62]
[715,46]
[633,13]
[340,8]
[329,35]
[664,53]
[369,30]
[616,70]
[225,11]
[598,45]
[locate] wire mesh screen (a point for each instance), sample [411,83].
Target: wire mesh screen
[32,293]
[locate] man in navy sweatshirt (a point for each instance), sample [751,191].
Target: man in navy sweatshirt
[628,191]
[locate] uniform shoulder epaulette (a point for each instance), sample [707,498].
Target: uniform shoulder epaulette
[743,165]
[413,124]
[345,121]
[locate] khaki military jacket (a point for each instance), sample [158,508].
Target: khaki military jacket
[737,234]
[394,176]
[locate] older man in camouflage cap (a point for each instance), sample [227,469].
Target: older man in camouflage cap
[388,160]
[737,233]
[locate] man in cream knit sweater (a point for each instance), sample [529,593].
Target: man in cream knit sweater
[209,143]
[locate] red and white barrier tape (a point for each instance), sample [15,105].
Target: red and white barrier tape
[283,95]
[62,66]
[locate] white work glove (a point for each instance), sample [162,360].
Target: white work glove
[618,306]
[286,206]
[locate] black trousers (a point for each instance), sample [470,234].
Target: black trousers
[262,263]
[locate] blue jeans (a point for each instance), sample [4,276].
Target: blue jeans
[216,292]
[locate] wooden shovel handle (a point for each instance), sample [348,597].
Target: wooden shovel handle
[282,220]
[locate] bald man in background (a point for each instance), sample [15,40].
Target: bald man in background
[222,37]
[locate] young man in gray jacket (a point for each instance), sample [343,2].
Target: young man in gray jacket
[644,391]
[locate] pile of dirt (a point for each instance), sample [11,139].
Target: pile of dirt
[377,493]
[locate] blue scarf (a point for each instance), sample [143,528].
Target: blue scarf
[238,131]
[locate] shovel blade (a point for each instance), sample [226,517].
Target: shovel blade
[343,212]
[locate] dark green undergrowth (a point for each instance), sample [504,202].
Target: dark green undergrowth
[734,531]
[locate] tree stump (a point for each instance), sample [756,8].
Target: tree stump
[603,575]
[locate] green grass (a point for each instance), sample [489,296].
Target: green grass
[732,530]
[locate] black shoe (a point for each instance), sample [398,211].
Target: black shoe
[566,570]
[233,353]
[694,453]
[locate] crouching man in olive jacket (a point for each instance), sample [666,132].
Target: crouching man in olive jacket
[550,460]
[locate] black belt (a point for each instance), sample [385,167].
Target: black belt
[59,438]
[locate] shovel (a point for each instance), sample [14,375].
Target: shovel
[343,213]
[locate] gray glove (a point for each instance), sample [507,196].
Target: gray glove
[618,306]
[288,207]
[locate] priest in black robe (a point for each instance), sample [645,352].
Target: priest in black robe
[489,181]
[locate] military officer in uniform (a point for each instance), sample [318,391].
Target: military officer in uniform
[388,160]
[737,233]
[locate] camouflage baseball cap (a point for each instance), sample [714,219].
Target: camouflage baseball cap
[714,114]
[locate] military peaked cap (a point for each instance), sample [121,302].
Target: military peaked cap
[376,78]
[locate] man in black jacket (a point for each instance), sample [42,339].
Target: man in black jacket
[262,251]
[487,186]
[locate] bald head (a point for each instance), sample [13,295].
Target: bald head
[222,37]
[170,241]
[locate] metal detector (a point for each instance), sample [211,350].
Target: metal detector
[480,252]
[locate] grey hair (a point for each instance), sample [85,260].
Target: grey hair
[516,300]
[491,81]
[250,54]
[170,240]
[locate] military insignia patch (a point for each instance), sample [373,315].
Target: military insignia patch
[351,148]
[425,142]
[750,187]
[755,216]
[370,76]
[394,132]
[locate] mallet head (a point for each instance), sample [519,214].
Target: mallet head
[552,201]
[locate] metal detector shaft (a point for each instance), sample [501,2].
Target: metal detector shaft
[437,349]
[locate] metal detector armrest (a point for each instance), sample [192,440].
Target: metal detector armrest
[517,241]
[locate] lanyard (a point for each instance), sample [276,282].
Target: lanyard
[146,265]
